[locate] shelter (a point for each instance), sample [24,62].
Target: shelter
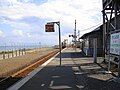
[88,39]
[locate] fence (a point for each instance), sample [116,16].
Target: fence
[12,53]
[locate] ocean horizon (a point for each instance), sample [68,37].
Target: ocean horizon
[9,48]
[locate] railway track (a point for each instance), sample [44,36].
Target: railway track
[6,82]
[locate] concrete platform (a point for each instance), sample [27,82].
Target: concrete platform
[76,73]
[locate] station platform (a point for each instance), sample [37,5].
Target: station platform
[77,72]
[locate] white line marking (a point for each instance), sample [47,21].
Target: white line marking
[51,83]
[43,85]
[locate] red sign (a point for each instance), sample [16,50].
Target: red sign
[49,28]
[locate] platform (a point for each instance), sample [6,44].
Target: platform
[77,72]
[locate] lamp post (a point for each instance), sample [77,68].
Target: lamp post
[49,27]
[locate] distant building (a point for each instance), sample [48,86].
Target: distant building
[88,45]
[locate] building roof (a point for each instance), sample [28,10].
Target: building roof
[95,30]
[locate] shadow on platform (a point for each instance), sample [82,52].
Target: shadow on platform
[65,78]
[72,55]
[70,76]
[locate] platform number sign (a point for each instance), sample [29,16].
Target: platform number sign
[49,28]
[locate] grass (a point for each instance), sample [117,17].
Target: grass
[10,64]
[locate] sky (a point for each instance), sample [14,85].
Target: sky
[23,21]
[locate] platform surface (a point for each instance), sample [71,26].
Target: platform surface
[77,72]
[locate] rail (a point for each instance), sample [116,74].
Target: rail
[24,71]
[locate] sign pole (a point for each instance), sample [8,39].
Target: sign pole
[49,27]
[59,41]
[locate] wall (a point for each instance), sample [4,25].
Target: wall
[88,43]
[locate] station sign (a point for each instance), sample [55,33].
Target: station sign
[115,43]
[49,27]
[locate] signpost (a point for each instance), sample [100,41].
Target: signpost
[49,27]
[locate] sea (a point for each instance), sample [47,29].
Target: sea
[9,48]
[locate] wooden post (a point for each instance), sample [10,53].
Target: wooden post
[8,54]
[22,51]
[19,52]
[16,52]
[119,66]
[3,54]
[95,50]
[12,54]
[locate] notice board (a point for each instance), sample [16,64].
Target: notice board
[115,43]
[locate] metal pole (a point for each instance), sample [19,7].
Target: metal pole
[59,41]
[58,23]
[75,35]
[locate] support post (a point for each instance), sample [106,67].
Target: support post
[8,54]
[16,52]
[75,36]
[119,66]
[12,53]
[95,50]
[19,52]
[104,35]
[24,51]
[3,54]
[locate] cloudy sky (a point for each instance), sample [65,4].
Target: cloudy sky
[22,21]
